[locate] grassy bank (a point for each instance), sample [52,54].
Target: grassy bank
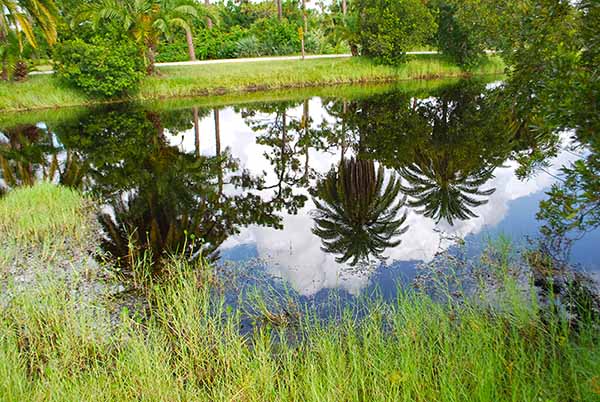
[190,348]
[218,79]
[417,88]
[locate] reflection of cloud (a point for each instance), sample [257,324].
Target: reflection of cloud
[295,254]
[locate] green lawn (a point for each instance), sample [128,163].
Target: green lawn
[217,79]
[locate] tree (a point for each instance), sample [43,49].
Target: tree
[387,29]
[356,216]
[163,200]
[31,155]
[18,18]
[554,82]
[459,40]
[144,20]
[22,15]
[445,146]
[287,138]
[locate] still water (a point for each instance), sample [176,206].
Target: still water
[347,192]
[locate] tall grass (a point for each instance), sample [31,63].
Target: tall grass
[42,212]
[223,78]
[190,347]
[44,220]
[49,92]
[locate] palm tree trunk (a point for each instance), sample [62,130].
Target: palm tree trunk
[283,144]
[4,70]
[151,59]
[344,7]
[209,23]
[196,131]
[279,9]
[190,43]
[304,16]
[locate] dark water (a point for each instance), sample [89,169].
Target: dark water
[347,193]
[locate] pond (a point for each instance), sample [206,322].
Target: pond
[345,190]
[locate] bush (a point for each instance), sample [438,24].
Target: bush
[277,37]
[174,51]
[249,46]
[316,42]
[388,28]
[101,66]
[218,44]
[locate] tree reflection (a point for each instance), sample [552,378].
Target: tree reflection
[442,192]
[445,148]
[357,216]
[288,140]
[161,200]
[30,154]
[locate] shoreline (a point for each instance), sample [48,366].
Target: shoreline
[48,92]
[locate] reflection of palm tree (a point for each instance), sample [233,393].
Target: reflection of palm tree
[196,130]
[218,148]
[442,190]
[171,211]
[356,217]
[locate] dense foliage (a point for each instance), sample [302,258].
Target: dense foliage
[388,29]
[102,66]
[455,38]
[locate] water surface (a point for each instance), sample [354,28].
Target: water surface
[347,193]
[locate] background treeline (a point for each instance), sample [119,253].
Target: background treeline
[117,41]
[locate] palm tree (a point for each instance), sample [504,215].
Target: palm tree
[357,216]
[442,189]
[9,51]
[20,16]
[24,14]
[144,20]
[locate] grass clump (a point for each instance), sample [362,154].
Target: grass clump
[41,212]
[218,79]
[44,224]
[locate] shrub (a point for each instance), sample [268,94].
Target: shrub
[216,43]
[389,28]
[174,51]
[249,46]
[316,42]
[101,66]
[277,37]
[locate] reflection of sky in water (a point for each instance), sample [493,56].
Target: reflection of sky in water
[294,253]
